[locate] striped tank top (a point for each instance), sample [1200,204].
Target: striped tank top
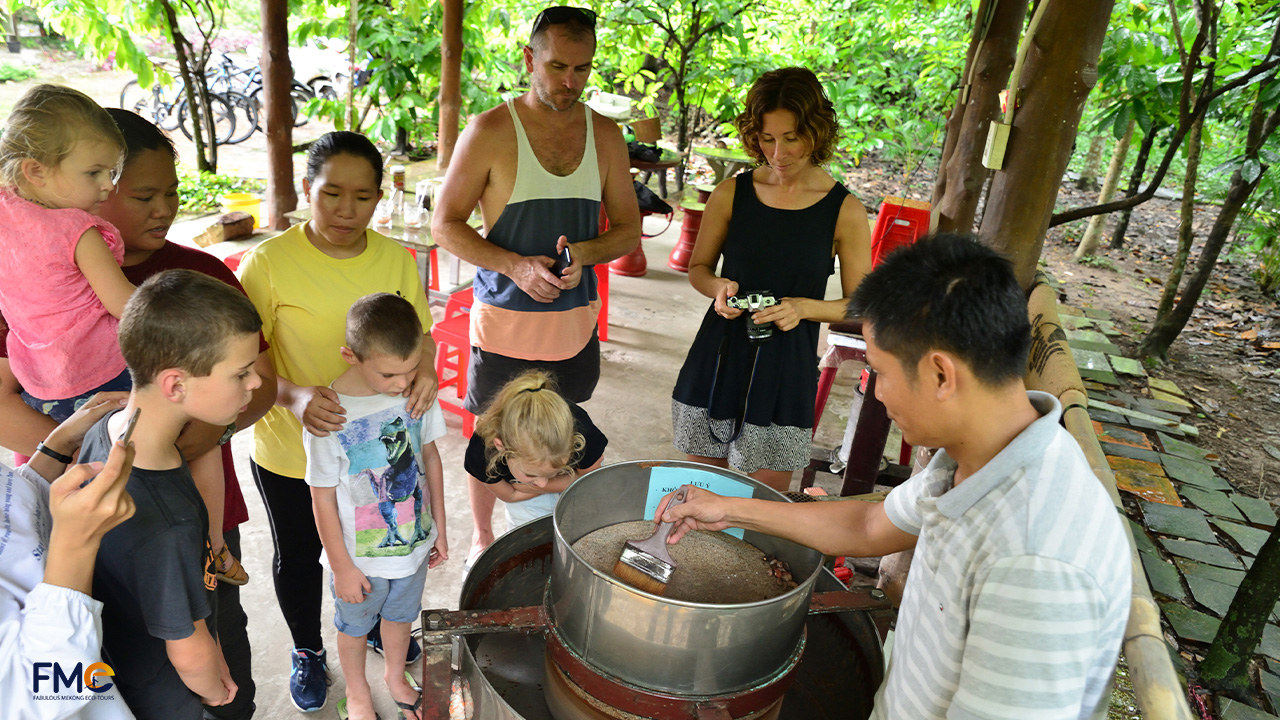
[543,206]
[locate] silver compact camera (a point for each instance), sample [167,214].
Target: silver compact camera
[751,302]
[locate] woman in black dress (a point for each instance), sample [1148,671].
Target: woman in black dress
[779,228]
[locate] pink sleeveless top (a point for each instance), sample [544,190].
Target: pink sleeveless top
[62,341]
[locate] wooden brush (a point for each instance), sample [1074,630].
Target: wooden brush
[645,564]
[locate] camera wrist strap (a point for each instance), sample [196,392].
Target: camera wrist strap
[741,421]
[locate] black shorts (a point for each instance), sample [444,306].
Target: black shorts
[575,377]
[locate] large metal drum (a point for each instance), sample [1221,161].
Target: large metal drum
[642,649]
[660,644]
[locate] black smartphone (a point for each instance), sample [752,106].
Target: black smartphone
[124,438]
[563,260]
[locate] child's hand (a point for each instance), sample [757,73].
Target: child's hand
[351,585]
[319,411]
[439,551]
[224,677]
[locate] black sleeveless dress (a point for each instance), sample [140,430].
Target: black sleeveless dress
[788,253]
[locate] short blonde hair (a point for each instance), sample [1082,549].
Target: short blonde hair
[47,123]
[533,422]
[796,90]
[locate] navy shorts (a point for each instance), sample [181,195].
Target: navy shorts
[575,377]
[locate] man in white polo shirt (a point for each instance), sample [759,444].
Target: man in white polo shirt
[1018,594]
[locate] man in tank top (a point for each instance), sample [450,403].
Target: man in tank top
[540,166]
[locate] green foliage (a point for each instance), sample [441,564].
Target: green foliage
[400,44]
[1102,262]
[108,28]
[15,73]
[202,191]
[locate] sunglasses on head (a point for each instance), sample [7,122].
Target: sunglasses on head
[561,14]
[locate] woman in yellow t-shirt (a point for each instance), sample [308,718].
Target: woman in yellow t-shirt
[302,282]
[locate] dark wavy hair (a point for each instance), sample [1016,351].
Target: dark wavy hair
[797,90]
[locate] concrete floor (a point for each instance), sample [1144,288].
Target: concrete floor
[651,323]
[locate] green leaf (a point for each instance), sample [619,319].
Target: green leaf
[1250,170]
[1122,121]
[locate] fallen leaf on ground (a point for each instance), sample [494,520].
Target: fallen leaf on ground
[1250,334]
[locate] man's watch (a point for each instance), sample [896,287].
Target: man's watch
[226,435]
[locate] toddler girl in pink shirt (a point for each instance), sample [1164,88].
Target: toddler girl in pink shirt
[61,287]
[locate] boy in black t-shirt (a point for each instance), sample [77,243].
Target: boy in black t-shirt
[190,342]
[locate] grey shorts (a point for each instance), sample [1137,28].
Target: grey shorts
[397,600]
[575,377]
[784,448]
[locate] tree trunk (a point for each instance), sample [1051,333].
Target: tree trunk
[1135,181]
[1186,235]
[962,174]
[1167,327]
[277,74]
[353,28]
[450,84]
[402,143]
[1060,69]
[206,159]
[1093,232]
[1226,666]
[1088,179]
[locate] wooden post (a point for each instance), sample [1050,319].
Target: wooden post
[962,175]
[277,75]
[450,83]
[1061,68]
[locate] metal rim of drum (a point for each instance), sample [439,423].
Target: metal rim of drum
[621,695]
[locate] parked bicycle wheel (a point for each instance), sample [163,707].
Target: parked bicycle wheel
[299,96]
[224,119]
[150,104]
[246,111]
[136,98]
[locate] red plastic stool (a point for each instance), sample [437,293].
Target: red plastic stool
[433,276]
[683,251]
[453,356]
[233,261]
[602,289]
[899,222]
[459,302]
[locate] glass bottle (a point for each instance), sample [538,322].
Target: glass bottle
[397,195]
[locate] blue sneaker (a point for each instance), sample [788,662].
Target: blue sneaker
[309,681]
[374,641]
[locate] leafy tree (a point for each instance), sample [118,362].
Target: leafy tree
[109,27]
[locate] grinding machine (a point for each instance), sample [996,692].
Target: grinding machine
[542,635]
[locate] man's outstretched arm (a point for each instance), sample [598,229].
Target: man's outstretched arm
[839,527]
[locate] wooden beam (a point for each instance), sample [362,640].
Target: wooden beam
[450,83]
[277,76]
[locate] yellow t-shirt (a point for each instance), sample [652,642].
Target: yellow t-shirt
[303,296]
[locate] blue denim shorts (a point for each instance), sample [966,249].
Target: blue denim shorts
[397,600]
[62,409]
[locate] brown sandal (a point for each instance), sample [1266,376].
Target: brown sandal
[234,574]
